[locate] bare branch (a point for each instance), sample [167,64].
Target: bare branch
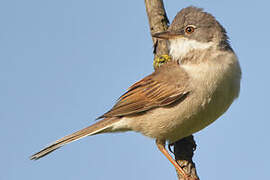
[158,22]
[183,151]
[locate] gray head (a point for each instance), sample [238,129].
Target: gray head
[196,28]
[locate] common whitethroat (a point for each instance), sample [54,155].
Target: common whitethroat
[182,96]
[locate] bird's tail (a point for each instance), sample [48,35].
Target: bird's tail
[99,127]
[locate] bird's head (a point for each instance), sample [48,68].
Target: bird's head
[194,29]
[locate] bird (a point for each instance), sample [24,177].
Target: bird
[180,97]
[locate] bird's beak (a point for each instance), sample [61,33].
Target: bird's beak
[167,35]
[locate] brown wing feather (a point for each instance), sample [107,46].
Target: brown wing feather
[163,87]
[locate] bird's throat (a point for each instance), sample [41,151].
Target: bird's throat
[180,47]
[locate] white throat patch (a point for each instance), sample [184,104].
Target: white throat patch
[179,47]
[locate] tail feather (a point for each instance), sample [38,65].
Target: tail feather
[99,127]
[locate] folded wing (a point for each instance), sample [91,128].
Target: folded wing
[165,86]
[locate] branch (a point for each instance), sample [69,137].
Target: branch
[158,22]
[184,151]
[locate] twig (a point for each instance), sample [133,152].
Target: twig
[158,22]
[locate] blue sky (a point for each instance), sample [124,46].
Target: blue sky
[64,63]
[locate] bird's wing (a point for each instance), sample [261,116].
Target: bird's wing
[166,85]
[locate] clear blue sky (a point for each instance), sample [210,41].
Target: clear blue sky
[63,63]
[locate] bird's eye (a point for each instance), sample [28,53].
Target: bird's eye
[189,29]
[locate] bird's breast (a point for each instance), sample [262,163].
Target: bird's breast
[213,87]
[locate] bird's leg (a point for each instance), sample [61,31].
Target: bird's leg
[161,146]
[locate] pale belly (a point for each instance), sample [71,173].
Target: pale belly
[187,117]
[203,112]
[207,101]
